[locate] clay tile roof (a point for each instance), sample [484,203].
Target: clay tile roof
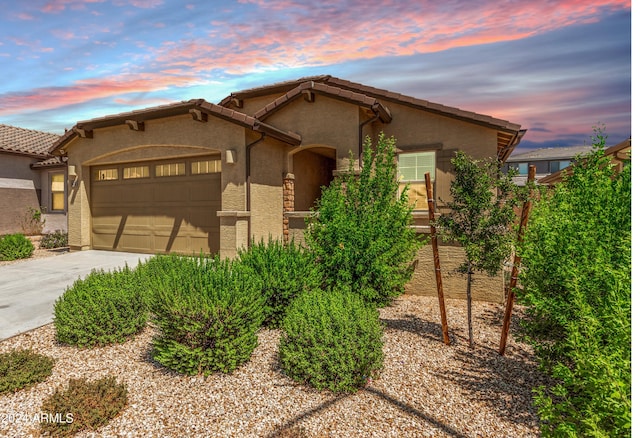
[278,87]
[422,104]
[376,93]
[50,162]
[174,109]
[327,90]
[26,141]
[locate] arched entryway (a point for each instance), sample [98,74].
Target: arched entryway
[313,169]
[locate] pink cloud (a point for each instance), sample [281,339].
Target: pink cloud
[54,6]
[299,33]
[86,90]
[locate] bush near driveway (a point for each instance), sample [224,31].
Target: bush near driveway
[57,239]
[103,308]
[207,311]
[14,247]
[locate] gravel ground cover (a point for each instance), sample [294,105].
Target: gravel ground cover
[426,388]
[38,253]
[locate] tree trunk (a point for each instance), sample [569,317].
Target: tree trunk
[469,323]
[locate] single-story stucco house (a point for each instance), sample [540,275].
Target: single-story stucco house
[195,176]
[30,180]
[619,155]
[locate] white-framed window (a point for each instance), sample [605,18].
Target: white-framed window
[411,169]
[170,169]
[56,185]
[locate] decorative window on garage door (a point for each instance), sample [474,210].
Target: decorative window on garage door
[170,169]
[135,172]
[105,174]
[206,166]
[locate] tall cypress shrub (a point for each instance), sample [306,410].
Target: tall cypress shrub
[577,286]
[360,235]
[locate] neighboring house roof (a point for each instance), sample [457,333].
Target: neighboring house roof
[50,163]
[545,154]
[26,141]
[619,152]
[509,134]
[199,109]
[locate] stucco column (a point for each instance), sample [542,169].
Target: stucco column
[288,202]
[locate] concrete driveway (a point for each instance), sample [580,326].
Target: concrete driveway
[29,289]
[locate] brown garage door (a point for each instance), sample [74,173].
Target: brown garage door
[157,207]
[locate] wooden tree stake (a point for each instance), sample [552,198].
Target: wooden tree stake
[524,218]
[436,258]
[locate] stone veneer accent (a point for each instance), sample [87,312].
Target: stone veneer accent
[288,198]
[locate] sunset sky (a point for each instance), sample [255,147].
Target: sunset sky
[556,67]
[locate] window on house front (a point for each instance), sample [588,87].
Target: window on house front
[208,166]
[411,169]
[106,174]
[57,191]
[555,166]
[170,169]
[135,172]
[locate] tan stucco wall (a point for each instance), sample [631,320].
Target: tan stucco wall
[162,138]
[326,121]
[268,161]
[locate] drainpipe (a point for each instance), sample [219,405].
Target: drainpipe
[248,182]
[370,120]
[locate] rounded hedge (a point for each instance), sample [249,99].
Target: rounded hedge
[331,340]
[15,246]
[285,270]
[103,308]
[208,313]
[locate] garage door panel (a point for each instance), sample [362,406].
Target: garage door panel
[157,214]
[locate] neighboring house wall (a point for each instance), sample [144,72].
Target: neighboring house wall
[19,191]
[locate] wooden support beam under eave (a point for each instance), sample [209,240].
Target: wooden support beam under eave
[84,133]
[198,115]
[135,125]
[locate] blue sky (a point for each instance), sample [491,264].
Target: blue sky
[556,67]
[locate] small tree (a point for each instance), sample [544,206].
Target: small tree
[361,236]
[480,217]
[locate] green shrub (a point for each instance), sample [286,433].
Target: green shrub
[23,368]
[286,270]
[208,313]
[15,246]
[84,405]
[361,236]
[57,239]
[103,308]
[577,287]
[331,340]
